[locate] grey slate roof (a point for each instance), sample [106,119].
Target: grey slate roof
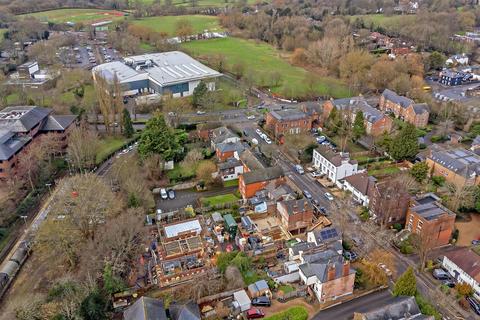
[397,308]
[250,160]
[335,158]
[431,210]
[327,235]
[361,182]
[266,174]
[258,286]
[288,115]
[302,246]
[229,164]
[461,161]
[58,122]
[22,118]
[476,141]
[420,108]
[392,96]
[355,104]
[296,206]
[219,135]
[317,264]
[230,146]
[146,308]
[188,311]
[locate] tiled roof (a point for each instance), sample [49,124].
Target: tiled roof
[296,206]
[288,115]
[461,161]
[58,122]
[22,118]
[420,108]
[361,182]
[188,311]
[260,175]
[229,147]
[397,308]
[334,157]
[466,260]
[355,104]
[392,96]
[230,163]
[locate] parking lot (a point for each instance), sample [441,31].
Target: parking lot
[87,55]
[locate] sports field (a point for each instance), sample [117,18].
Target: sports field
[262,59]
[168,23]
[76,15]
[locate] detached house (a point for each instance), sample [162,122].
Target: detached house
[327,275]
[222,135]
[289,122]
[432,221]
[251,182]
[336,166]
[376,123]
[230,169]
[226,150]
[296,215]
[404,108]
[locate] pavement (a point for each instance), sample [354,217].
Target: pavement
[345,310]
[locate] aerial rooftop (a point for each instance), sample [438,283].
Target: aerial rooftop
[461,161]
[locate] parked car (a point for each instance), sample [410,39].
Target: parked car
[299,169]
[385,269]
[255,313]
[350,255]
[315,174]
[440,274]
[261,301]
[315,202]
[307,194]
[474,304]
[329,196]
[475,242]
[171,194]
[323,210]
[321,139]
[200,112]
[252,117]
[267,140]
[259,132]
[163,193]
[449,283]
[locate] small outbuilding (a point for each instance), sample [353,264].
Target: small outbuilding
[231,225]
[259,288]
[241,300]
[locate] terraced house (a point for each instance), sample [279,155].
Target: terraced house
[376,123]
[404,108]
[22,125]
[459,166]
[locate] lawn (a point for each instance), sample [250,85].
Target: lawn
[286,289]
[75,15]
[384,171]
[350,147]
[231,183]
[221,199]
[109,145]
[168,23]
[261,60]
[204,3]
[294,313]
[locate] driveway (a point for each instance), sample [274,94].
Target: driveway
[184,198]
[345,310]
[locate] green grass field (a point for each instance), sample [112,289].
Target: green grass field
[204,3]
[107,146]
[76,15]
[221,199]
[168,23]
[262,59]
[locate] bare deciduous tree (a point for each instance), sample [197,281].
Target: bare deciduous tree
[82,148]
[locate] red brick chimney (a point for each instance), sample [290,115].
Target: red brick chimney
[331,272]
[346,268]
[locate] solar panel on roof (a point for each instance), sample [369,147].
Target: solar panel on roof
[329,234]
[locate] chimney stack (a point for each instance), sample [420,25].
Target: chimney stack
[346,268]
[331,272]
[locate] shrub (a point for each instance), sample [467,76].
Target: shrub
[437,138]
[398,226]
[464,289]
[426,308]
[406,249]
[438,180]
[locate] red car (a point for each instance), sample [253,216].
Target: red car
[255,313]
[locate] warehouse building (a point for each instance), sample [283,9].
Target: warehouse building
[167,72]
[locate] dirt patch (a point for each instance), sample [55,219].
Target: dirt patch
[469,230]
[277,307]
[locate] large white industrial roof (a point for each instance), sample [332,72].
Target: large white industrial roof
[164,68]
[176,229]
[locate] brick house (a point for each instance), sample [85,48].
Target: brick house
[389,202]
[459,166]
[327,275]
[428,218]
[253,181]
[224,151]
[287,121]
[404,108]
[376,123]
[296,215]
[20,126]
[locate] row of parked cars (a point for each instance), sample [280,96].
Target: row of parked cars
[447,280]
[167,194]
[256,313]
[263,136]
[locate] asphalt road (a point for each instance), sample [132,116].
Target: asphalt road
[345,310]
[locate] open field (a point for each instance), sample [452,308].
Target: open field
[262,59]
[76,15]
[168,23]
[381,20]
[204,3]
